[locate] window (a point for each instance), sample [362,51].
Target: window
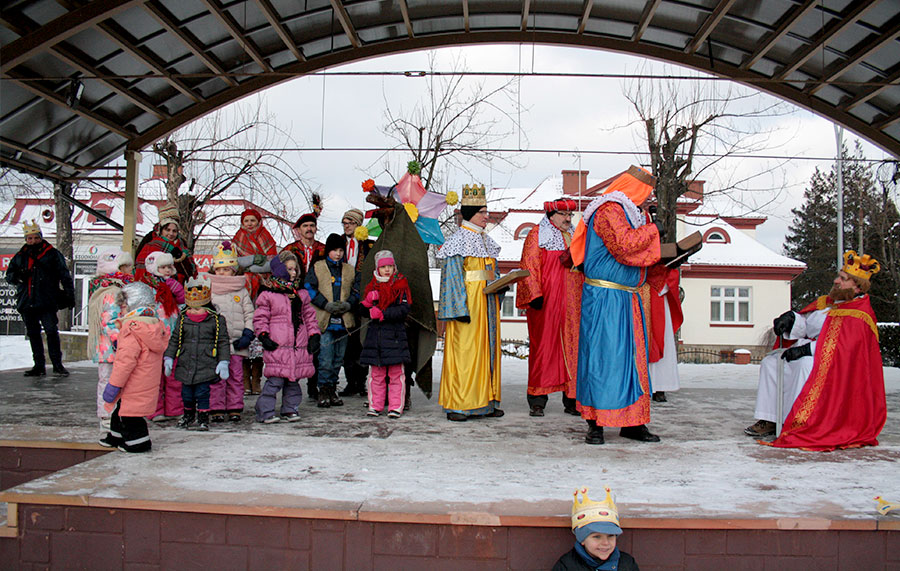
[715,237]
[508,309]
[523,230]
[729,304]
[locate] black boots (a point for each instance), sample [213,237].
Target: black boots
[328,397]
[187,419]
[639,433]
[35,371]
[203,421]
[594,434]
[659,396]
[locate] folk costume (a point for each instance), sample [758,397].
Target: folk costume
[617,244]
[154,242]
[551,298]
[43,286]
[307,254]
[470,377]
[258,242]
[665,318]
[842,400]
[356,248]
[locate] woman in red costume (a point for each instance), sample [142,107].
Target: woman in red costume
[164,238]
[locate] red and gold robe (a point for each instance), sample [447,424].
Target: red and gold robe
[553,329]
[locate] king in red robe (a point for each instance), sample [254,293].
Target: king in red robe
[551,298]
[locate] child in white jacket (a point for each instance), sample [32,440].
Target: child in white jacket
[231,298]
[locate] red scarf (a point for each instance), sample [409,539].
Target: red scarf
[389,291]
[35,253]
[164,295]
[257,242]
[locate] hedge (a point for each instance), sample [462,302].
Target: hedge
[889,335]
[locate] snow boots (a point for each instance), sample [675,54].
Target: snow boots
[187,419]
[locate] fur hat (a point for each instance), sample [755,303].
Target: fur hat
[354,214]
[156,259]
[334,242]
[384,258]
[136,295]
[111,259]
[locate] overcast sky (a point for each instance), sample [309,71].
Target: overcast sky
[574,114]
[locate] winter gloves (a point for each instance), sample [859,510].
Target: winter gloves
[244,341]
[314,343]
[794,353]
[222,370]
[464,319]
[783,323]
[337,307]
[536,303]
[168,363]
[110,393]
[376,313]
[371,298]
[256,263]
[267,342]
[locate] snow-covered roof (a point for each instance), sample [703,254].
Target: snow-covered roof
[739,249]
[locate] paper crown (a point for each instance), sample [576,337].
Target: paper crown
[473,195]
[32,228]
[862,267]
[196,293]
[225,258]
[585,510]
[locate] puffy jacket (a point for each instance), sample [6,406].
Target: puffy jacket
[273,315]
[42,279]
[139,358]
[192,344]
[571,561]
[385,342]
[232,301]
[103,325]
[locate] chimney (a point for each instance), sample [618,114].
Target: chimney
[574,182]
[159,171]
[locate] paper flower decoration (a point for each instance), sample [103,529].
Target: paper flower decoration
[413,167]
[361,233]
[412,211]
[368,185]
[452,198]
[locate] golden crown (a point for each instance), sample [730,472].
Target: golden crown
[196,293]
[225,258]
[585,510]
[473,195]
[32,228]
[863,267]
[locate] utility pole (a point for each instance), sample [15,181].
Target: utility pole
[838,135]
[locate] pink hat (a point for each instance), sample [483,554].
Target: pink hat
[384,258]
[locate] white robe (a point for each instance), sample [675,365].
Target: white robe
[664,373]
[805,331]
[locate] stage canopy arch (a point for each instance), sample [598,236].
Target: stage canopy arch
[85,81]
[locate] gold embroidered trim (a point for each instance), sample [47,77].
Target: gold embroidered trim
[827,346]
[857,314]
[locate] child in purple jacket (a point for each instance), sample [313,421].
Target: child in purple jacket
[285,323]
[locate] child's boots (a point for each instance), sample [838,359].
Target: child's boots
[187,419]
[203,421]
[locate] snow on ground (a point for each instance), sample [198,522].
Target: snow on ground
[340,459]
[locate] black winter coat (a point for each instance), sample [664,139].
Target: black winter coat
[44,286]
[571,561]
[385,342]
[192,344]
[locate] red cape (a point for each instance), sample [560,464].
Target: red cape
[658,277]
[842,404]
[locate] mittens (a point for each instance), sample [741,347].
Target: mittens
[267,342]
[168,363]
[314,343]
[222,370]
[376,314]
[244,341]
[110,393]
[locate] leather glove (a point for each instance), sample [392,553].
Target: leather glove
[464,319]
[661,229]
[536,303]
[314,344]
[332,307]
[267,342]
[244,341]
[222,370]
[168,363]
[110,393]
[783,323]
[794,353]
[376,314]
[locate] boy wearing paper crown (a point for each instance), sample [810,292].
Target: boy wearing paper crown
[43,286]
[833,374]
[596,529]
[199,353]
[232,300]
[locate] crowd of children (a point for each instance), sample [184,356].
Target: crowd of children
[193,351]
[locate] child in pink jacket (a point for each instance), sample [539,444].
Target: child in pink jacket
[134,383]
[285,323]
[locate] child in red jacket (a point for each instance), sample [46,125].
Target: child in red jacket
[134,383]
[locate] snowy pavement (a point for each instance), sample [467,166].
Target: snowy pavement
[339,459]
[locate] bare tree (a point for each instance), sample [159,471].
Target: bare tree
[228,152]
[691,127]
[885,225]
[457,121]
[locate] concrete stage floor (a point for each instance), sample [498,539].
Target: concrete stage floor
[423,468]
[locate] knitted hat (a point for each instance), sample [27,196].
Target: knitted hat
[384,258]
[197,292]
[156,259]
[334,242]
[111,259]
[354,214]
[168,214]
[138,294]
[251,212]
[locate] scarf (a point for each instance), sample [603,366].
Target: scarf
[34,252]
[117,279]
[164,295]
[390,290]
[257,242]
[610,564]
[284,287]
[227,284]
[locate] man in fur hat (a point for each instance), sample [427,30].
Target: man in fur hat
[43,286]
